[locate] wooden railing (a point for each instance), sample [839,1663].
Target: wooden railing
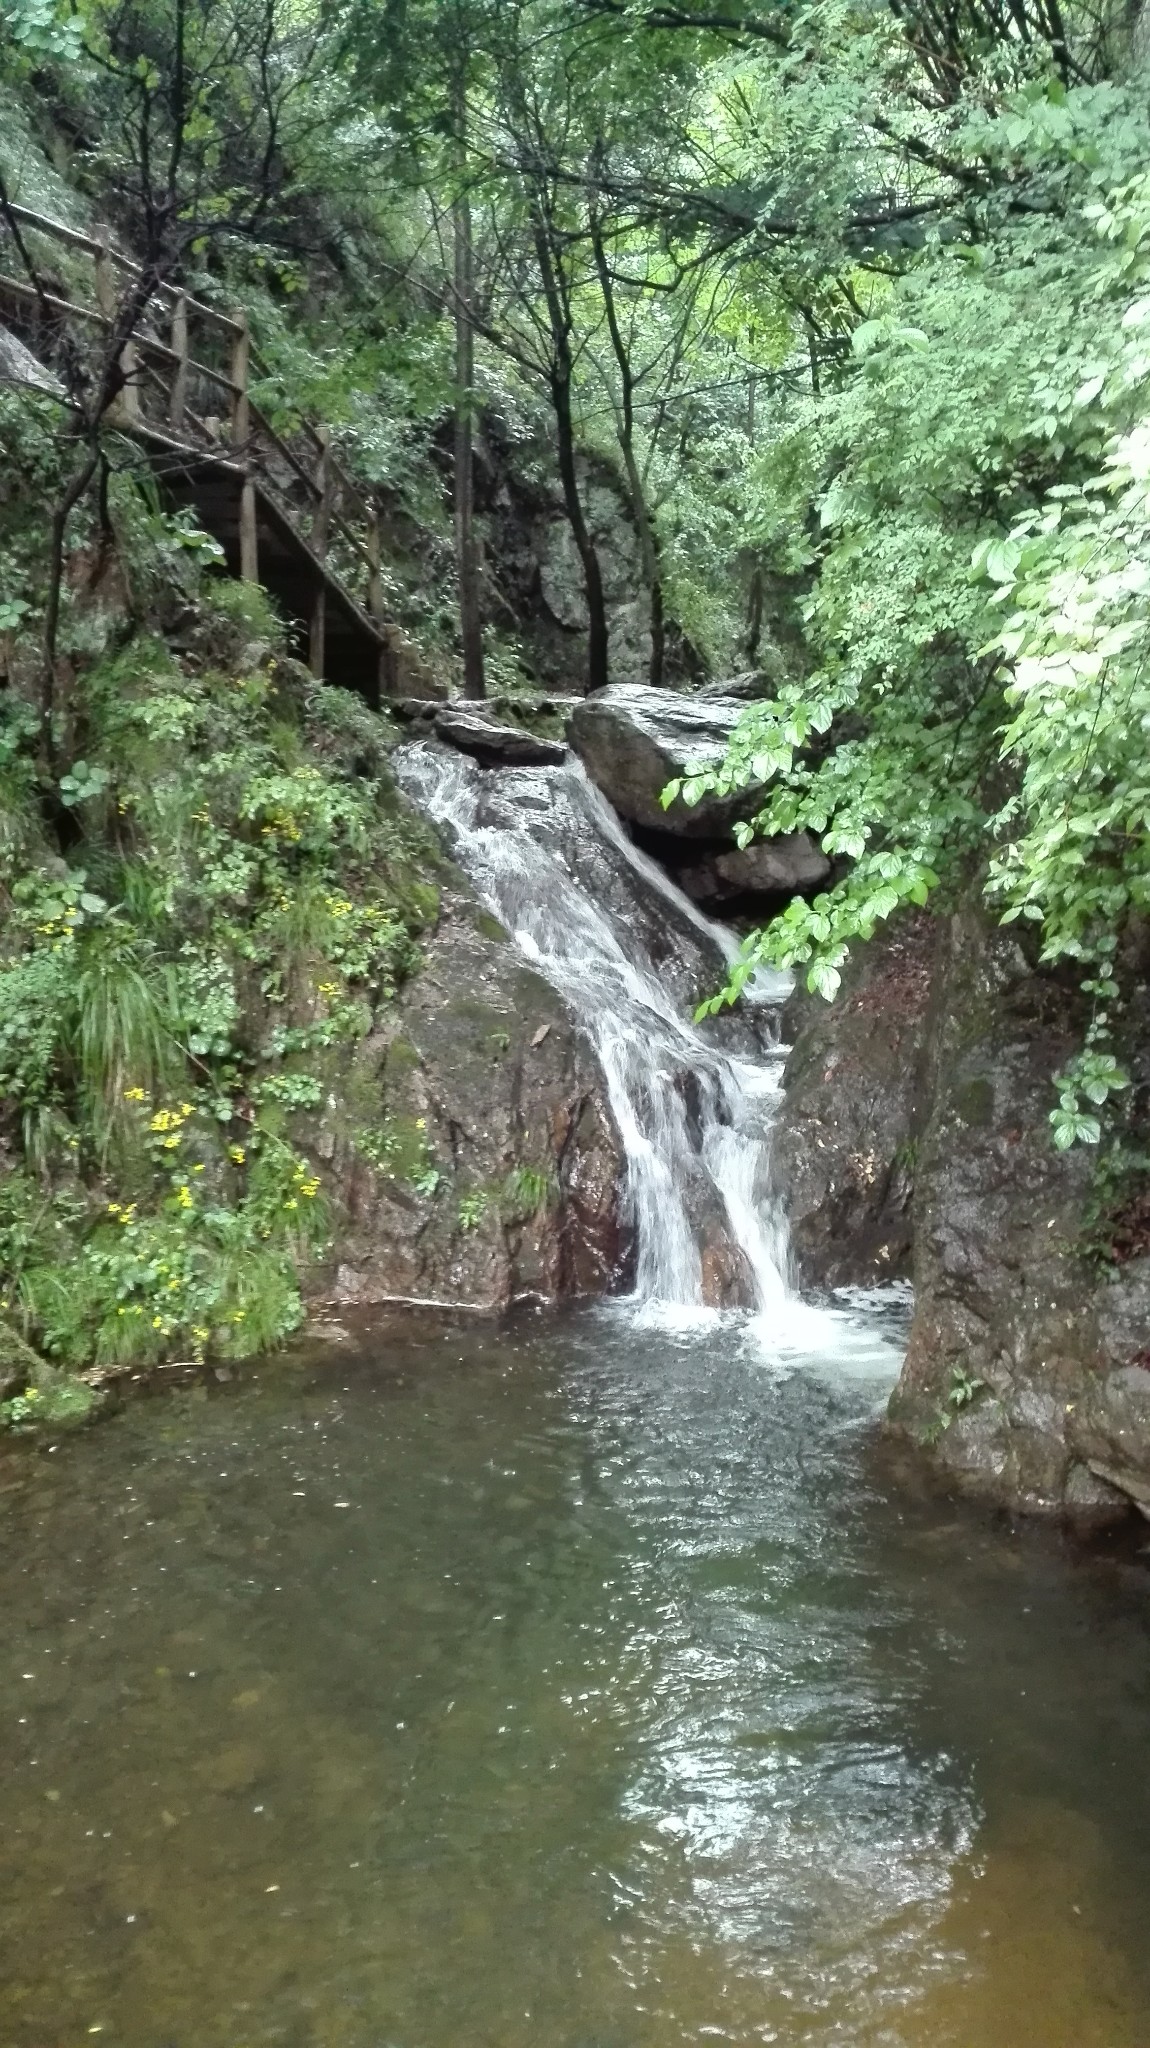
[188,370]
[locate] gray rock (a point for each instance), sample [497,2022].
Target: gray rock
[503,746]
[1124,1312]
[745,689]
[633,741]
[915,1129]
[19,366]
[475,730]
[788,866]
[843,1148]
[500,1174]
[19,1364]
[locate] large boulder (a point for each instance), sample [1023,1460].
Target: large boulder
[788,866]
[633,741]
[915,1136]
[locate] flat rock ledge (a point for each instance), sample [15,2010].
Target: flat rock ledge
[472,730]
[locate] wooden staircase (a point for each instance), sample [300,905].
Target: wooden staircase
[284,508]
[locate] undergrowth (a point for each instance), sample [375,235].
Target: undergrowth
[235,890]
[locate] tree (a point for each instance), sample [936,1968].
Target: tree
[198,108]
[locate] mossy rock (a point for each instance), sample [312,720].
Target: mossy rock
[402,1057]
[18,1362]
[50,1398]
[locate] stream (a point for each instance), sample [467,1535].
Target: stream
[586,1681]
[570,1684]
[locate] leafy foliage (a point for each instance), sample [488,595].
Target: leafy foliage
[978,601]
[238,901]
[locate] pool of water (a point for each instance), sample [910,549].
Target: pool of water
[569,1685]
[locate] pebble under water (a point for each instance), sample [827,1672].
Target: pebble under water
[568,1684]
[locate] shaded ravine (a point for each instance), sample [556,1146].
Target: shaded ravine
[630,955]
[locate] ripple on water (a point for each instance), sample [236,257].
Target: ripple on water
[574,1684]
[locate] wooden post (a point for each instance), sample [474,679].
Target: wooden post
[374,576]
[130,395]
[105,282]
[316,633]
[320,523]
[249,536]
[179,399]
[241,409]
[375,602]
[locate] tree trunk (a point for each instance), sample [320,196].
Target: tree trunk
[658,635]
[592,575]
[754,616]
[559,379]
[466,552]
[625,430]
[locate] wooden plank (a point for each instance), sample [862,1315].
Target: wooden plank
[321,517]
[18,289]
[92,247]
[241,405]
[105,283]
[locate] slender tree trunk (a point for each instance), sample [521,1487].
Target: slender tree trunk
[73,492]
[625,431]
[559,379]
[658,635]
[466,551]
[580,532]
[754,616]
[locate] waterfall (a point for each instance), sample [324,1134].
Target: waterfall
[630,956]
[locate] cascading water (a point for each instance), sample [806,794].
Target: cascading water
[629,953]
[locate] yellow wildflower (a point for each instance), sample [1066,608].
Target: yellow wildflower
[134,1095]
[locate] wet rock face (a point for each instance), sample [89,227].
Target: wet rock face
[915,1133]
[470,1150]
[633,741]
[843,1147]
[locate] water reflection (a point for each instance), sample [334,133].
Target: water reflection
[576,1686]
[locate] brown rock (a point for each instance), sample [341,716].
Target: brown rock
[788,866]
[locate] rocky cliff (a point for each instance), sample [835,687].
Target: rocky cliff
[914,1141]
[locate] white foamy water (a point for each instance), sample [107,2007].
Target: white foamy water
[631,955]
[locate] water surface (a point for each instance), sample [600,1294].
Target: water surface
[572,1685]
